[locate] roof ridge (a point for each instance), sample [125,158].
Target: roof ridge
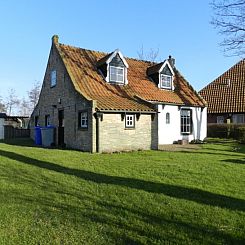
[107,53]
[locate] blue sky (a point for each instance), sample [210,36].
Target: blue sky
[178,28]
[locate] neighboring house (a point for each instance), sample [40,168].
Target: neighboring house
[11,122]
[102,102]
[2,121]
[226,96]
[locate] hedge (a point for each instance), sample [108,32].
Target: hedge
[235,131]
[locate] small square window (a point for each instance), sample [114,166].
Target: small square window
[116,74]
[165,81]
[83,119]
[130,121]
[220,119]
[53,78]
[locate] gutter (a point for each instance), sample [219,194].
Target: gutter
[126,111]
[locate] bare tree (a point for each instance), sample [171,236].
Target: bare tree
[152,55]
[229,19]
[33,95]
[2,105]
[24,108]
[11,101]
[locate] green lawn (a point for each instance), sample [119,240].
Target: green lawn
[50,196]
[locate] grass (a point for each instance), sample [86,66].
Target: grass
[50,196]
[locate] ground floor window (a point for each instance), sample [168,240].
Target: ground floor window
[167,118]
[36,121]
[185,121]
[130,121]
[83,119]
[47,120]
[238,118]
[220,119]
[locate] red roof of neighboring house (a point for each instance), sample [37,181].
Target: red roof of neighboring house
[226,94]
[81,65]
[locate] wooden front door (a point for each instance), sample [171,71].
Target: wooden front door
[61,137]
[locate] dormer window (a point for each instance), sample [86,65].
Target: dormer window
[165,81]
[116,74]
[113,67]
[162,74]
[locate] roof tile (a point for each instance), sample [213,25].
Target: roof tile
[82,67]
[226,93]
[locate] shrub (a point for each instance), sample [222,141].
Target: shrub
[218,130]
[235,131]
[240,134]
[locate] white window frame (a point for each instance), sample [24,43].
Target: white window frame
[163,81]
[83,119]
[53,78]
[116,74]
[185,121]
[130,121]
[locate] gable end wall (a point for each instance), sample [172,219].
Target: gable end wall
[64,97]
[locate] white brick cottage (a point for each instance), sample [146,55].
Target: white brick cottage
[106,102]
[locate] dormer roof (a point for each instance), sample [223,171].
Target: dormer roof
[108,58]
[157,68]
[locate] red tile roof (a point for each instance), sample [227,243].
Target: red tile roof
[81,65]
[226,94]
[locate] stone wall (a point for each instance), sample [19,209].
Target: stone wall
[63,96]
[115,137]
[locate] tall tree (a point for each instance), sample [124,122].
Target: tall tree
[33,94]
[12,101]
[229,19]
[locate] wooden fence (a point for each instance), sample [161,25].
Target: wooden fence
[11,133]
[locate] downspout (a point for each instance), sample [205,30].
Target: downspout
[99,117]
[97,134]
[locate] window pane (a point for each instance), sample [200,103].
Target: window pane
[166,81]
[129,121]
[167,118]
[185,120]
[53,78]
[84,120]
[116,74]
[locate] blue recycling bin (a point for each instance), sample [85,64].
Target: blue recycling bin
[38,136]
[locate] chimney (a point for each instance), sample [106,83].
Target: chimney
[171,60]
[55,39]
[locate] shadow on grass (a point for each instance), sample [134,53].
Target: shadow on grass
[19,142]
[190,194]
[123,218]
[236,161]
